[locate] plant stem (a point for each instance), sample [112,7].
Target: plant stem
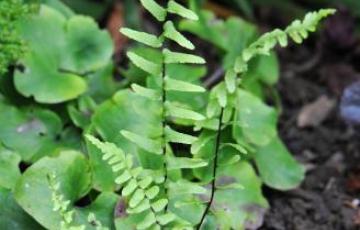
[164,123]
[213,182]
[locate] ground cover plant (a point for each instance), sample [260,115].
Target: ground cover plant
[169,152]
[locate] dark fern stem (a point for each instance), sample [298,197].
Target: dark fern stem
[213,182]
[164,123]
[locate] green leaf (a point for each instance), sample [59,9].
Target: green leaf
[68,48]
[12,216]
[87,47]
[60,6]
[145,92]
[155,9]
[147,221]
[144,64]
[238,147]
[213,107]
[145,182]
[101,84]
[124,177]
[244,203]
[32,191]
[230,81]
[54,87]
[9,168]
[143,142]
[184,163]
[31,132]
[159,205]
[179,112]
[267,69]
[277,167]
[171,33]
[175,57]
[81,114]
[176,8]
[124,221]
[129,188]
[208,28]
[221,94]
[102,207]
[152,192]
[138,115]
[136,198]
[203,141]
[254,119]
[142,37]
[182,187]
[177,137]
[141,207]
[182,86]
[166,218]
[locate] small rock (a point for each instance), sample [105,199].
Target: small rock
[313,114]
[350,104]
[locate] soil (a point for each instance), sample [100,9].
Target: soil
[328,197]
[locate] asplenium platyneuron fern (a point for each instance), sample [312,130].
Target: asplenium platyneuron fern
[148,192]
[229,97]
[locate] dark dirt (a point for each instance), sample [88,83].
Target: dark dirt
[327,199]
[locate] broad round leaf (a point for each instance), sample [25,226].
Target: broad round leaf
[61,50]
[245,206]
[87,47]
[12,216]
[278,169]
[32,191]
[9,168]
[45,83]
[32,132]
[253,118]
[41,77]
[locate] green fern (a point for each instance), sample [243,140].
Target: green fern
[139,186]
[297,31]
[62,206]
[169,108]
[223,97]
[149,192]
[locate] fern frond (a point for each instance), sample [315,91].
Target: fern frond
[222,94]
[138,187]
[179,112]
[155,9]
[176,8]
[142,198]
[145,143]
[297,31]
[182,86]
[171,57]
[142,37]
[61,205]
[145,92]
[177,137]
[171,33]
[144,64]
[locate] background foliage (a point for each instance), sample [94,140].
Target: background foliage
[57,85]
